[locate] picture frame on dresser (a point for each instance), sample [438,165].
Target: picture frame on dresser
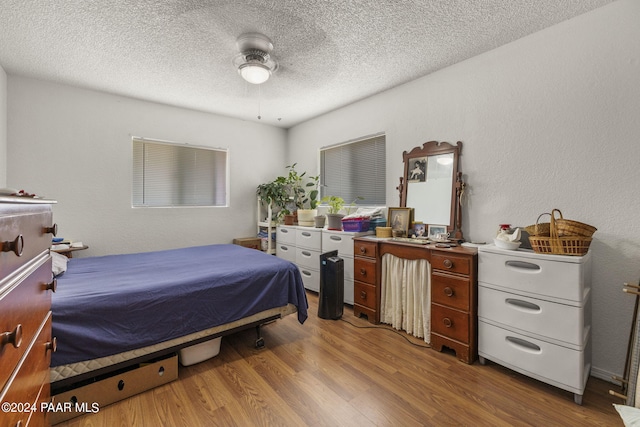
[433,230]
[420,230]
[400,219]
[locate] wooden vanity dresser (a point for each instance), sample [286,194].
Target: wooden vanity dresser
[26,284]
[453,289]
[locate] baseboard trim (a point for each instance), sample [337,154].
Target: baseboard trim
[604,375]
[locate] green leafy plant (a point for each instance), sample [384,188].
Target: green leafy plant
[304,191]
[275,192]
[335,203]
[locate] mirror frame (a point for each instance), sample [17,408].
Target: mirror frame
[433,148]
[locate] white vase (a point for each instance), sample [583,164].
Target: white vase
[305,217]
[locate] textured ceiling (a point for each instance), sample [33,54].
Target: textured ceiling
[331,53]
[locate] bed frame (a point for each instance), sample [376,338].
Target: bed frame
[66,377]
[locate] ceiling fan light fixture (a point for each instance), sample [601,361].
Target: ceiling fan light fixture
[254,72]
[254,62]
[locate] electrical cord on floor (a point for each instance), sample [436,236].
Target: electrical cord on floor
[403,335]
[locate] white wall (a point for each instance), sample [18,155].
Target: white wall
[3,128]
[549,121]
[74,145]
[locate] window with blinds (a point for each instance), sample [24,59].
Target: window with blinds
[167,175]
[355,170]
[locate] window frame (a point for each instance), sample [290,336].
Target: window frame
[222,199]
[380,189]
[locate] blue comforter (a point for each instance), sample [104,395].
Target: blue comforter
[110,304]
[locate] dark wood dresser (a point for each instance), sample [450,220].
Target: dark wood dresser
[26,283]
[454,286]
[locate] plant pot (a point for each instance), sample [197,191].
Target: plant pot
[305,217]
[334,221]
[289,219]
[319,221]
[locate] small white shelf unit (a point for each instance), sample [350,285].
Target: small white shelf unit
[267,225]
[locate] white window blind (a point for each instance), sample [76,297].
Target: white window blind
[166,174]
[355,170]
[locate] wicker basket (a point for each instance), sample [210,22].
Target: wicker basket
[573,245]
[567,227]
[556,245]
[542,229]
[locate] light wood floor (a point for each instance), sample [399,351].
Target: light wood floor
[330,373]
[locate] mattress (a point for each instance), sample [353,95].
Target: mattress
[105,307]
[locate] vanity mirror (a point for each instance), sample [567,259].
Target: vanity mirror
[432,185]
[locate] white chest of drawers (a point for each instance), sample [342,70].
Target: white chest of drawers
[304,245]
[308,250]
[534,315]
[342,241]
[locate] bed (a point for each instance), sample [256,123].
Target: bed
[117,310]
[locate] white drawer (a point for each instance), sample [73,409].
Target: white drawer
[560,323]
[348,290]
[553,364]
[348,268]
[286,234]
[541,275]
[285,251]
[308,258]
[340,241]
[310,278]
[310,238]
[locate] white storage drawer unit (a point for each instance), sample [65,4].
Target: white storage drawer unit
[561,323]
[310,238]
[342,241]
[310,278]
[286,234]
[553,364]
[534,315]
[308,246]
[304,245]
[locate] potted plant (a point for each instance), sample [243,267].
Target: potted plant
[334,217]
[304,192]
[275,193]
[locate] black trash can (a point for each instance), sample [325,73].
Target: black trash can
[331,297]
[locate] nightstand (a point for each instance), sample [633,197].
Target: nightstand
[68,250]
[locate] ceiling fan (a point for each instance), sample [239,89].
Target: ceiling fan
[254,61]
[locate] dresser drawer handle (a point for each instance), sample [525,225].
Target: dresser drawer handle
[17,246]
[305,253]
[523,305]
[51,286]
[306,234]
[51,230]
[363,272]
[448,291]
[363,294]
[448,263]
[336,238]
[14,337]
[52,345]
[363,250]
[523,344]
[447,322]
[522,265]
